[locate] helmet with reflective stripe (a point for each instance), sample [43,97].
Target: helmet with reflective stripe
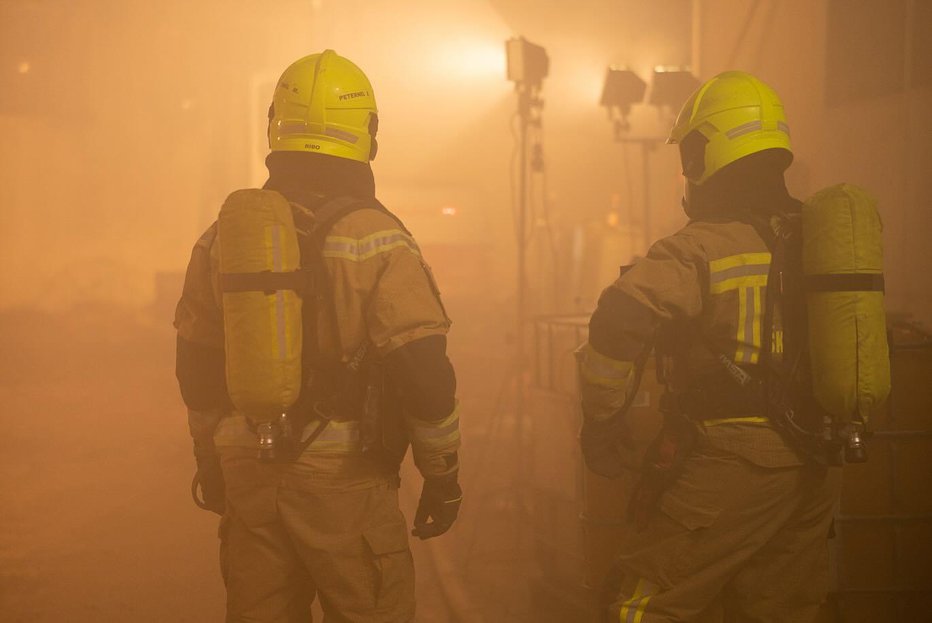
[731,116]
[324,103]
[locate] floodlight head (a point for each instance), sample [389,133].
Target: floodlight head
[622,88]
[528,63]
[671,86]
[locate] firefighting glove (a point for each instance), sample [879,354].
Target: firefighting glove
[209,479]
[438,507]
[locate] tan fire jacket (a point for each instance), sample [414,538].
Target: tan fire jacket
[709,282]
[383,291]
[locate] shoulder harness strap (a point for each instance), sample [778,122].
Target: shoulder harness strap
[325,217]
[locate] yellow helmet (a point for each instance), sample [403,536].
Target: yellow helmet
[323,103]
[731,116]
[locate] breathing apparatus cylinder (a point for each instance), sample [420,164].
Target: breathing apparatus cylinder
[259,272]
[843,268]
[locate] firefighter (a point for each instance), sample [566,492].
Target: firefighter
[326,523]
[729,513]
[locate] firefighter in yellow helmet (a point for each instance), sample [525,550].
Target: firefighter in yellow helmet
[324,520]
[728,511]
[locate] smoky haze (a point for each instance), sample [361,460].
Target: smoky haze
[124,126]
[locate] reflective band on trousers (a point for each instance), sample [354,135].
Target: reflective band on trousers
[632,610]
[745,273]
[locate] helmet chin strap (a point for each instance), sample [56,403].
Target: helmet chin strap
[688,193]
[373,130]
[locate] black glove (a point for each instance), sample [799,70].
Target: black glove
[440,502]
[209,478]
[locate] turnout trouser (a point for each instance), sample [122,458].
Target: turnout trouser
[751,538]
[284,543]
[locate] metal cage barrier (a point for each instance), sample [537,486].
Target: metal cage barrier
[884,527]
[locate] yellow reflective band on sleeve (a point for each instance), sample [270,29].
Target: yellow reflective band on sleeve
[361,249]
[597,369]
[757,419]
[632,610]
[746,270]
[604,383]
[438,435]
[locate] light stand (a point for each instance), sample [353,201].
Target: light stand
[622,89]
[670,88]
[528,65]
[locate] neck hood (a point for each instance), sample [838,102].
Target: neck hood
[308,179]
[751,186]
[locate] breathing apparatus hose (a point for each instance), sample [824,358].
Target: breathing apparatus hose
[195,486]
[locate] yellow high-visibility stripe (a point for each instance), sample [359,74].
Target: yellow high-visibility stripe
[436,443]
[748,330]
[737,283]
[438,434]
[756,419]
[756,327]
[777,340]
[742,259]
[597,369]
[603,381]
[632,610]
[745,270]
[360,249]
[745,273]
[336,438]
[741,336]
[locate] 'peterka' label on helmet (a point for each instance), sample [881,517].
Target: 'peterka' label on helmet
[354,95]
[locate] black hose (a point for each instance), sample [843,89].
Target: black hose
[195,484]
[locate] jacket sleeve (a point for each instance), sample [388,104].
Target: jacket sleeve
[665,285]
[377,268]
[199,355]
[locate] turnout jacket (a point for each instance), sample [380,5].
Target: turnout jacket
[704,290]
[382,292]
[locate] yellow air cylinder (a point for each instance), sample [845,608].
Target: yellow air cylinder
[843,266]
[259,257]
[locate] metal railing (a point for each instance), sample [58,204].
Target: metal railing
[899,516]
[555,338]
